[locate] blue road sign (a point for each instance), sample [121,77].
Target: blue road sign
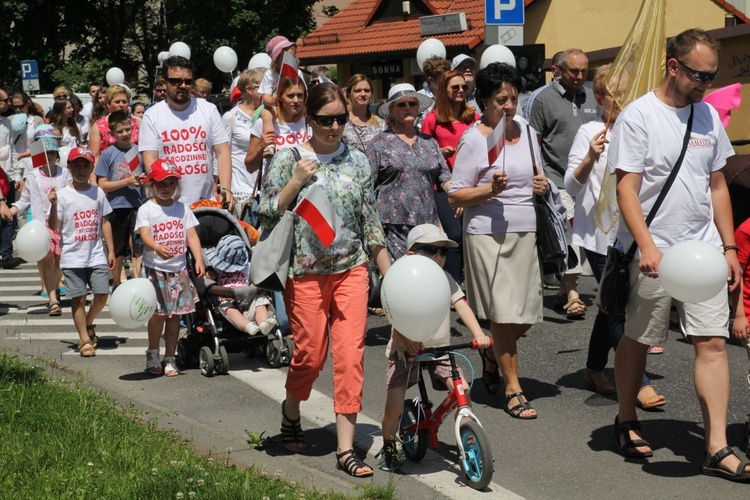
[29,70]
[504,12]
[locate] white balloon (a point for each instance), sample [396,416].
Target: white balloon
[179,49]
[260,60]
[33,241]
[63,154]
[497,53]
[693,271]
[225,58]
[133,303]
[416,296]
[162,56]
[115,76]
[428,48]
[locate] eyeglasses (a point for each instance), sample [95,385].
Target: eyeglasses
[411,104]
[20,106]
[60,97]
[327,120]
[699,76]
[159,91]
[431,250]
[177,82]
[6,100]
[456,88]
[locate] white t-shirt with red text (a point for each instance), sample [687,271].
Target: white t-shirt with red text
[169,227]
[237,279]
[81,214]
[185,138]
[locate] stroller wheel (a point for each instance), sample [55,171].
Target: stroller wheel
[273,352]
[206,361]
[289,351]
[222,368]
[183,360]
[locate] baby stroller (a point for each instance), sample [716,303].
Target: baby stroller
[210,335]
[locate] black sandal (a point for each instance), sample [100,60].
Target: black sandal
[353,465]
[628,448]
[292,436]
[53,309]
[522,406]
[711,467]
[490,379]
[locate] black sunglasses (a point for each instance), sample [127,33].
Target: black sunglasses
[699,76]
[327,120]
[179,81]
[159,91]
[411,104]
[431,250]
[456,88]
[6,100]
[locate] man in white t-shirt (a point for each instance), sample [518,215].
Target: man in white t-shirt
[183,129]
[645,145]
[88,108]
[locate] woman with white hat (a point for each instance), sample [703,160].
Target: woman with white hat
[406,165]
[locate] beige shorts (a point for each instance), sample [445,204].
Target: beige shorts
[503,283]
[570,205]
[647,313]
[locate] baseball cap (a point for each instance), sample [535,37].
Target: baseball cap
[163,168]
[276,45]
[76,153]
[229,255]
[460,58]
[427,234]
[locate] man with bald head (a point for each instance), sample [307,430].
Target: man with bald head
[557,113]
[646,142]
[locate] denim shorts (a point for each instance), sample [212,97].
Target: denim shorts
[77,278]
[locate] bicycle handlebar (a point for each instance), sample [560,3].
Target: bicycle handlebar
[439,351]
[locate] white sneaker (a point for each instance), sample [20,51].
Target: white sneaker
[268,325]
[252,328]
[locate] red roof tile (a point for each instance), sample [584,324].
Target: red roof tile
[733,10]
[348,36]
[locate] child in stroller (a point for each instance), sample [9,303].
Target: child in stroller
[228,265]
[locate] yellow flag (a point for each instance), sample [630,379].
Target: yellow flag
[638,69]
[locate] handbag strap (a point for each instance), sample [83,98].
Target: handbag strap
[670,180]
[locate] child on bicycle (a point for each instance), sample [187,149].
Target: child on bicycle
[430,241]
[229,266]
[741,302]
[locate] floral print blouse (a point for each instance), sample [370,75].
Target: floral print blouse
[360,136]
[404,177]
[347,182]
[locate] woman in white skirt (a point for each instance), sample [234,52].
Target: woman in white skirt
[496,190]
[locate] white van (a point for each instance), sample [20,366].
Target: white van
[46,100]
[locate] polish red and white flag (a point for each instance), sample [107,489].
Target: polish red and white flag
[38,154]
[496,141]
[131,158]
[316,209]
[289,67]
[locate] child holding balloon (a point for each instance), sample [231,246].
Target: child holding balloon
[429,241]
[167,228]
[38,184]
[79,211]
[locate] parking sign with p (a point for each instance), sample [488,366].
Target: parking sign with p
[30,76]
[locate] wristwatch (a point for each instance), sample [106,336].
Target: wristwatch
[2,198]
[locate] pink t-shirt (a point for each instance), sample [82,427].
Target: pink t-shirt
[107,139]
[446,134]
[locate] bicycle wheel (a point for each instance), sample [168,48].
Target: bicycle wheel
[477,462]
[414,443]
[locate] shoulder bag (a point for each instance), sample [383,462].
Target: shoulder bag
[551,225]
[614,287]
[269,265]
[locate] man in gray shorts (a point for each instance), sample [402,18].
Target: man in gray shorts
[645,145]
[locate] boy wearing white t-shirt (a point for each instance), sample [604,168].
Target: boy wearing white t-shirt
[79,211]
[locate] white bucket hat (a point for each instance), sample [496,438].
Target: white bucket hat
[400,91]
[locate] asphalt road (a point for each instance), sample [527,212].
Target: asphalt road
[567,453]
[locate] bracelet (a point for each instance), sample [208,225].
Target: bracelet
[731,247]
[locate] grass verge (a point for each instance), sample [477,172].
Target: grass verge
[59,439]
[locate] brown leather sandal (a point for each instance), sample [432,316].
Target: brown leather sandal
[86,349]
[91,330]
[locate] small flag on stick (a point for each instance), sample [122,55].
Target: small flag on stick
[319,213]
[289,67]
[38,154]
[496,141]
[131,158]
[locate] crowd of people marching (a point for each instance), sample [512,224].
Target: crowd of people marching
[411,175]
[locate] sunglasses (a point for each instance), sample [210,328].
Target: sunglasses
[60,98]
[18,107]
[327,120]
[6,100]
[456,88]
[411,104]
[699,76]
[159,91]
[431,250]
[180,81]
